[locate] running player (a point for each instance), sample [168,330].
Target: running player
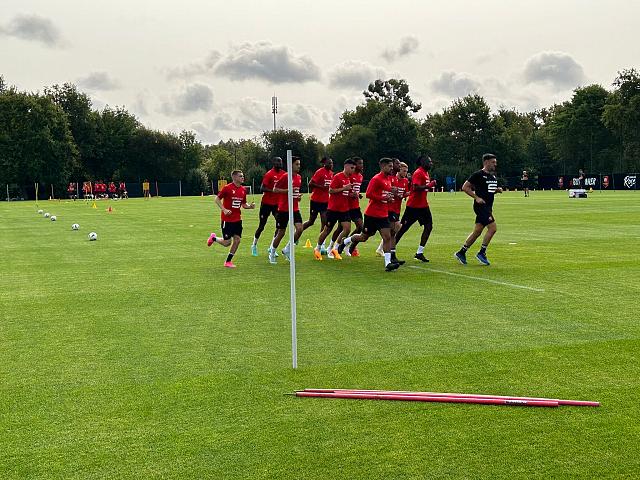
[338,208]
[482,187]
[319,198]
[230,199]
[400,189]
[355,214]
[269,203]
[282,219]
[376,215]
[417,209]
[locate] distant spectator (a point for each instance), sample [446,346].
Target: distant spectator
[145,189]
[71,191]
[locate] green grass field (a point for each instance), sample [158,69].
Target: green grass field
[140,356]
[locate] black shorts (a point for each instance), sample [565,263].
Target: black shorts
[394,217]
[335,217]
[374,224]
[484,215]
[282,219]
[266,210]
[525,183]
[231,229]
[317,207]
[421,215]
[355,214]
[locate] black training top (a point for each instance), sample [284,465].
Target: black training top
[484,184]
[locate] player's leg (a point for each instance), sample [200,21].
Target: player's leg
[313,214]
[324,233]
[491,231]
[427,227]
[389,264]
[234,248]
[395,227]
[461,254]
[263,217]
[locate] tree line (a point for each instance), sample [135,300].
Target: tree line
[57,136]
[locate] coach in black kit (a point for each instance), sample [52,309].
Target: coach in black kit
[482,187]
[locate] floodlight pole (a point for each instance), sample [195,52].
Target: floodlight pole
[274,109]
[292,260]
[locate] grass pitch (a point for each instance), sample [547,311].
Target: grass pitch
[140,356]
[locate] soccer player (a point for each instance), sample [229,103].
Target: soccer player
[282,219]
[71,190]
[355,214]
[482,187]
[376,215]
[400,189]
[269,203]
[417,209]
[525,182]
[230,199]
[319,198]
[338,208]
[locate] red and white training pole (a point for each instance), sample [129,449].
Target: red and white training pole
[575,403]
[427,398]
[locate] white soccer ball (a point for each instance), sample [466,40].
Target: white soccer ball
[40,212]
[47,215]
[93,236]
[53,218]
[75,226]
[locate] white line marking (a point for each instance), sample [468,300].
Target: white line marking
[479,278]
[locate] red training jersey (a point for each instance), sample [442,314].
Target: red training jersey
[377,190]
[283,201]
[321,177]
[232,199]
[339,202]
[402,185]
[354,199]
[269,181]
[418,198]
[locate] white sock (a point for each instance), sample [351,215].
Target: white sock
[380,246]
[346,241]
[330,245]
[286,248]
[255,241]
[387,258]
[420,250]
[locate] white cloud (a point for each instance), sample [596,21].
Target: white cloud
[265,61]
[96,81]
[408,45]
[192,98]
[33,28]
[558,69]
[354,74]
[194,69]
[455,84]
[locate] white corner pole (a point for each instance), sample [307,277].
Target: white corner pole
[292,261]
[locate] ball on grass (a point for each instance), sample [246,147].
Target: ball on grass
[75,226]
[93,236]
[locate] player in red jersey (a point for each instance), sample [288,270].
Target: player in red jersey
[355,214]
[269,203]
[282,219]
[230,199]
[400,189]
[338,208]
[319,199]
[376,215]
[417,205]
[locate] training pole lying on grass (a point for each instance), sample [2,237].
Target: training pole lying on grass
[574,403]
[428,398]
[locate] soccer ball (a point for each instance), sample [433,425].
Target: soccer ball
[47,215]
[93,236]
[75,226]
[40,212]
[53,218]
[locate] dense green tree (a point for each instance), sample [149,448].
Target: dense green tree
[391,92]
[622,116]
[277,142]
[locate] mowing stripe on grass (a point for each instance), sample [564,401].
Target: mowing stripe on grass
[506,284]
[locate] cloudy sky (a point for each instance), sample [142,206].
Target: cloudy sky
[212,66]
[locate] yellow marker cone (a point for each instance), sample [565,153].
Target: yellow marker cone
[94,205]
[308,244]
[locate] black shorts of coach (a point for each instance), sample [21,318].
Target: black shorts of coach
[266,210]
[231,229]
[282,219]
[393,217]
[420,215]
[374,224]
[355,214]
[317,208]
[484,215]
[334,217]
